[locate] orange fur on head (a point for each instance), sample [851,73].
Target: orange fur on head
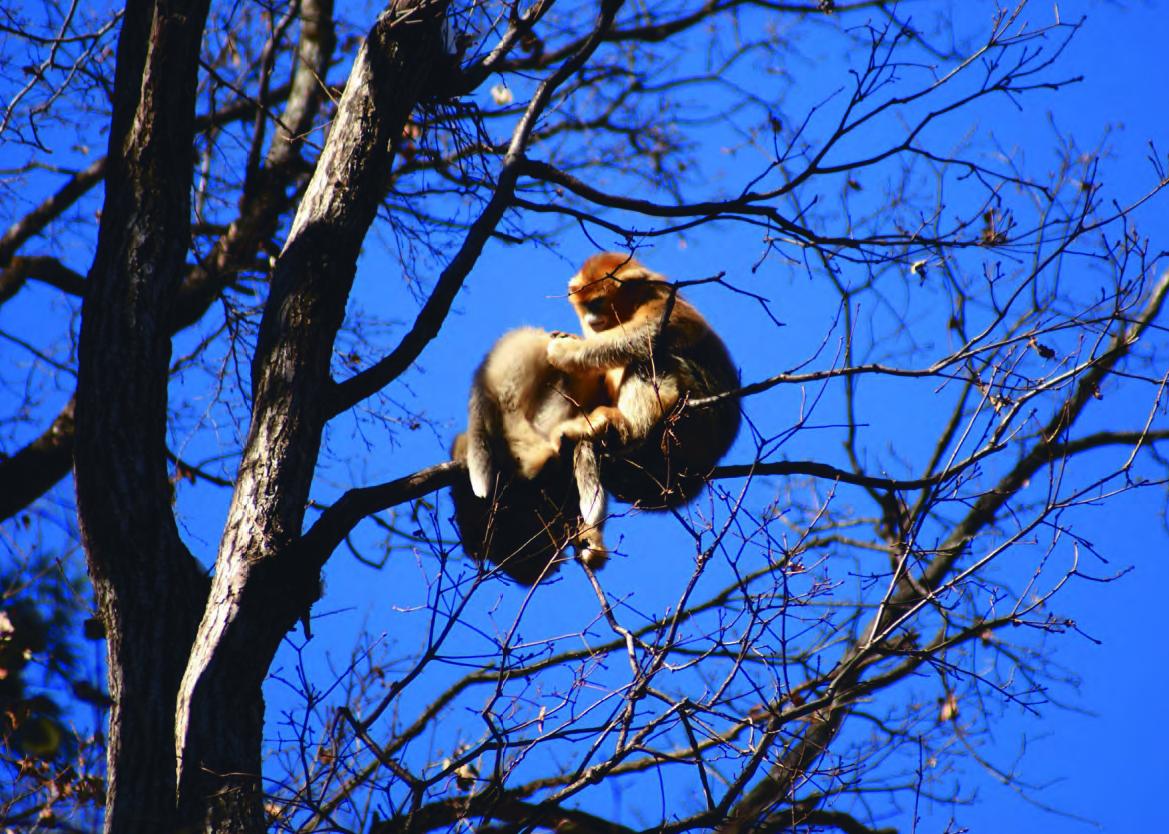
[657,352]
[611,288]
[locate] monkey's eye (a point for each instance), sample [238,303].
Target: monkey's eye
[596,306]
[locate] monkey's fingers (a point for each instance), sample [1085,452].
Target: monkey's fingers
[578,428]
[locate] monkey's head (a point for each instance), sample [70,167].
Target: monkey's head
[610,288]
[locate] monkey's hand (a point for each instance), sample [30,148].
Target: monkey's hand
[563,354]
[593,554]
[571,430]
[560,334]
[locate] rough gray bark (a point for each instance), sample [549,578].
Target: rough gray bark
[150,590]
[268,194]
[263,580]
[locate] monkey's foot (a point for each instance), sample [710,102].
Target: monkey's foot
[592,552]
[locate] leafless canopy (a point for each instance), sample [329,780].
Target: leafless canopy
[866,584]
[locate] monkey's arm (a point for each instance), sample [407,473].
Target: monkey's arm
[616,348]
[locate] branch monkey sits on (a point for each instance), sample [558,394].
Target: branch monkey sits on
[656,352]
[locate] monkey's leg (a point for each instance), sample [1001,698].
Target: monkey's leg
[530,449]
[643,403]
[592,426]
[590,540]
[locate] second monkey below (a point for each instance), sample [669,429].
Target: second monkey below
[526,499]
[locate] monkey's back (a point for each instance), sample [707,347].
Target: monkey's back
[522,524]
[672,464]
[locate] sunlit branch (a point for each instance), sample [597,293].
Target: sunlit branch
[262,205]
[1049,442]
[663,29]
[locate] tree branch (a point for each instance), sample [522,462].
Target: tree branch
[259,588]
[150,590]
[338,520]
[35,221]
[1048,445]
[426,326]
[33,470]
[45,269]
[267,196]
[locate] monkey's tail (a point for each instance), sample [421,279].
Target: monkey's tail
[483,423]
[590,535]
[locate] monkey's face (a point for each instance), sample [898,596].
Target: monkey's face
[595,303]
[612,289]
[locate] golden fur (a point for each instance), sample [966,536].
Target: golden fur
[656,352]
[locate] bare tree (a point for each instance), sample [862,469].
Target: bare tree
[774,684]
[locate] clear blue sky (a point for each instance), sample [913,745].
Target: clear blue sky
[1103,759]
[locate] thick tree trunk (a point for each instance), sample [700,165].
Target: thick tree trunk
[265,579]
[150,590]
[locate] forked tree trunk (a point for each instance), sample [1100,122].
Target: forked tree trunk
[152,594]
